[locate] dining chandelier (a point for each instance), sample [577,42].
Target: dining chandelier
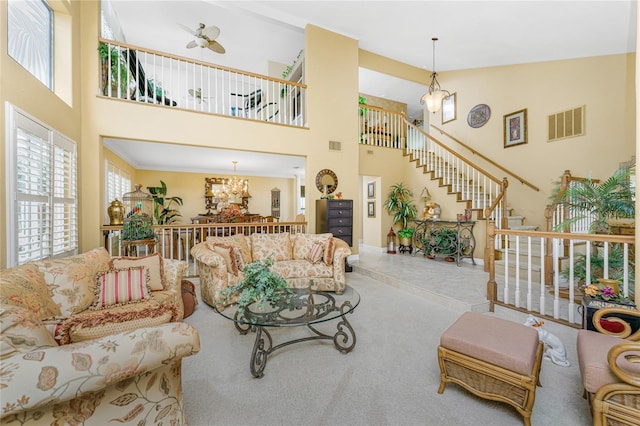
[434,97]
[235,185]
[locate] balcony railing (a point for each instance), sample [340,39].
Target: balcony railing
[380,127]
[142,75]
[176,241]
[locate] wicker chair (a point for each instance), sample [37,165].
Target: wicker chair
[610,367]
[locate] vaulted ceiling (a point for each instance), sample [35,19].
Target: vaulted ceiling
[472,34]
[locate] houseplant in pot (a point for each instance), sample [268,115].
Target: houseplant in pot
[163,210]
[400,205]
[259,285]
[443,241]
[405,235]
[602,201]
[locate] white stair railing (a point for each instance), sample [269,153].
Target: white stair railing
[521,279]
[473,183]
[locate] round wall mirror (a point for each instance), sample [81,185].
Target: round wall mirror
[326,178]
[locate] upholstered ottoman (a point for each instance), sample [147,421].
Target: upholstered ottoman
[492,358]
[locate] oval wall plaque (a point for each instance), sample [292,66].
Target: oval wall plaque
[479,115]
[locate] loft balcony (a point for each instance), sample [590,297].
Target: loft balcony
[141,75]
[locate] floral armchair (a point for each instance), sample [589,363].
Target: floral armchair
[133,376]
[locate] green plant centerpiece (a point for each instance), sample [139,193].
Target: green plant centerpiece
[114,69]
[163,210]
[400,205]
[259,285]
[441,241]
[406,233]
[602,201]
[138,227]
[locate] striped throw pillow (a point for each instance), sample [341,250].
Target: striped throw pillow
[121,286]
[316,252]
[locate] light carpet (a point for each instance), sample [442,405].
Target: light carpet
[390,378]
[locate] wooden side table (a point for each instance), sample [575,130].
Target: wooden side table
[130,248]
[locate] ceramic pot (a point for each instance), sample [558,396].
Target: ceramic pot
[614,284]
[116,212]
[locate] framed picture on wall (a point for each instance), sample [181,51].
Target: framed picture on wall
[371,209]
[515,128]
[371,190]
[449,108]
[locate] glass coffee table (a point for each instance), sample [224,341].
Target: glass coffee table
[304,307]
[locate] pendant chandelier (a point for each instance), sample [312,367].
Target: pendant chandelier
[434,97]
[235,185]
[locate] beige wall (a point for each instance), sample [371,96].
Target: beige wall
[61,110]
[190,187]
[542,88]
[388,104]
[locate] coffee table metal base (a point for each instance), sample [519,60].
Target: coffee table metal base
[344,340]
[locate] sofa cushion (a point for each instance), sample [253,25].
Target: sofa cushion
[316,253]
[238,240]
[302,269]
[276,246]
[329,249]
[228,254]
[593,349]
[153,263]
[21,331]
[24,286]
[71,280]
[302,244]
[121,286]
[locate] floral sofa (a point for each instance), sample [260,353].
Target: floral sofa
[299,258]
[74,306]
[132,377]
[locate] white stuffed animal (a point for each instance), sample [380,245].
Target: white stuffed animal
[553,347]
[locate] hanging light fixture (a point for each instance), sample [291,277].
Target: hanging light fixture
[235,185]
[434,97]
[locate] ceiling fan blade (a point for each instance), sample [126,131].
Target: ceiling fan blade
[187,29]
[211,32]
[191,44]
[216,47]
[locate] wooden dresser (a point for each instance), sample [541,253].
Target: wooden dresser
[335,216]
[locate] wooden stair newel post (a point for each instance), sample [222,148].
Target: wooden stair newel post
[489,255]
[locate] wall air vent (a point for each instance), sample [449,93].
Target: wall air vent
[566,124]
[335,146]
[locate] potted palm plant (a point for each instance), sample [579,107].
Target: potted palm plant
[163,212]
[400,205]
[602,201]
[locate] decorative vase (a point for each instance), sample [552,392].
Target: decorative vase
[116,212]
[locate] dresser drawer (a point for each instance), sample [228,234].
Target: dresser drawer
[339,231]
[346,238]
[340,204]
[340,221]
[331,213]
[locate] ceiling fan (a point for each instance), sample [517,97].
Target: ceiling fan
[197,95]
[205,37]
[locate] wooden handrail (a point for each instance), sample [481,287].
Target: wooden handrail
[487,159]
[455,154]
[379,109]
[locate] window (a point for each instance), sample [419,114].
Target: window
[30,37]
[118,183]
[42,195]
